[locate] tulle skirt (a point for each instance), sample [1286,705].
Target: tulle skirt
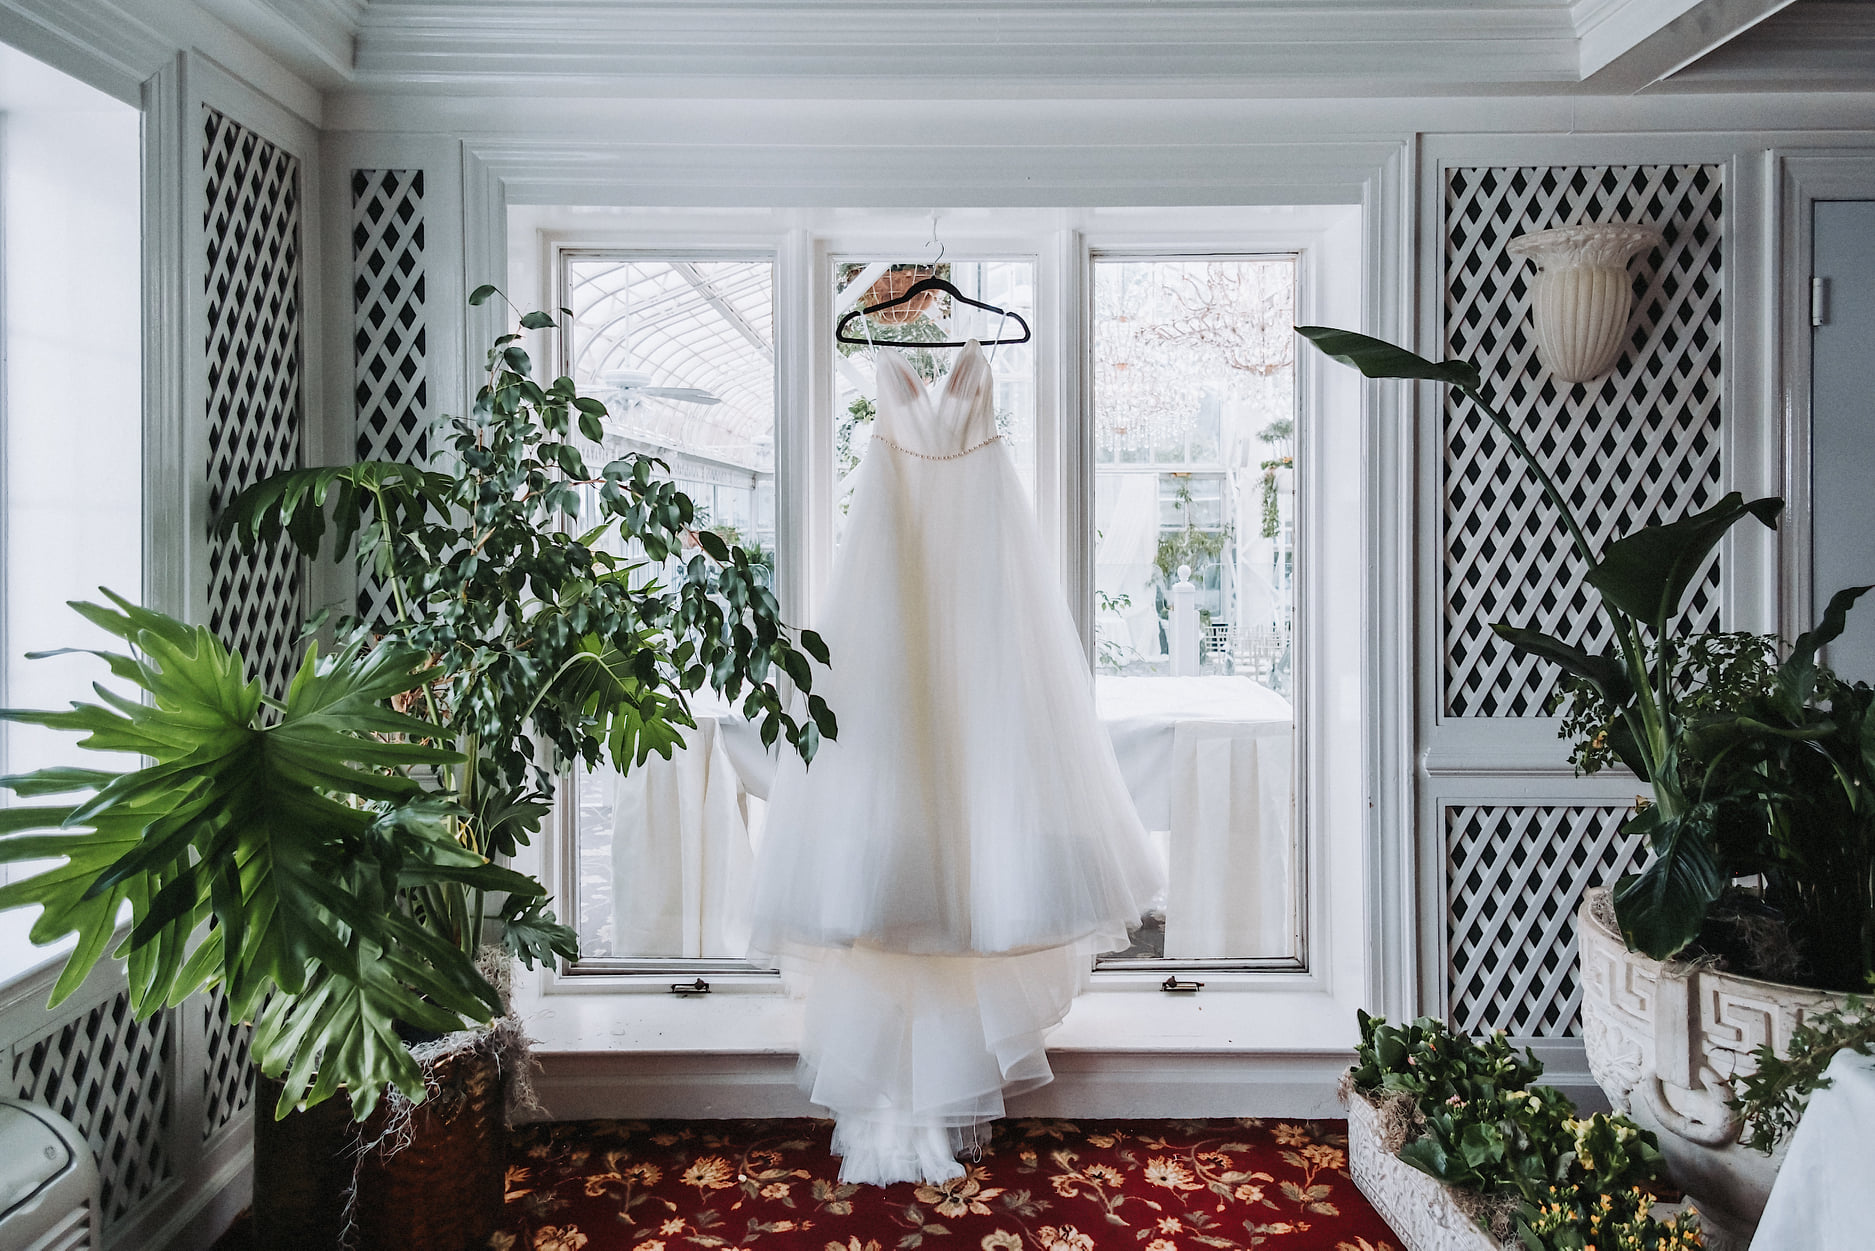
[948,867]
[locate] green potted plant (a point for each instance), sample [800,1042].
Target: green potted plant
[1456,1145]
[1760,822]
[330,855]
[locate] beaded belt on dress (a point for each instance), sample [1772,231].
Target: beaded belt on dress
[975,447]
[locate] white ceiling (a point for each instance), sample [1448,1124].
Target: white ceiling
[850,48]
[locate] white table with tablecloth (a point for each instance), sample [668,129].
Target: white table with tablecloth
[1821,1199]
[1209,762]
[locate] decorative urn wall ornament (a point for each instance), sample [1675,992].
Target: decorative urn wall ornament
[1582,293]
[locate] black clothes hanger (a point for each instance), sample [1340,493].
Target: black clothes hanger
[917,289]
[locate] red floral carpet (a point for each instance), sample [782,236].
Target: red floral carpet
[1040,1186]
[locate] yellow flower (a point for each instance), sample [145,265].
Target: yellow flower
[597,1182]
[1247,1193]
[1162,1244]
[854,1244]
[712,1172]
[1067,1238]
[1001,1240]
[673,1226]
[1170,1174]
[1105,1175]
[643,1174]
[656,1244]
[1169,1225]
[554,1238]
[775,1190]
[1288,1135]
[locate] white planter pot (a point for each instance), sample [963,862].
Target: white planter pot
[1418,1207]
[1664,1041]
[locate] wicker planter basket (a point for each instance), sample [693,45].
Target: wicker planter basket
[1421,1210]
[436,1187]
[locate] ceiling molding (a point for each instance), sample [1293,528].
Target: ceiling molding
[1818,45]
[314,38]
[1636,43]
[980,47]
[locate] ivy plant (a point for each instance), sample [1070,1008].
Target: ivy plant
[1482,1124]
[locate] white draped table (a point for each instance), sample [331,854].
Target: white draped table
[1209,762]
[1821,1199]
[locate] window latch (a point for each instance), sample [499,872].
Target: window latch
[698,987]
[1172,985]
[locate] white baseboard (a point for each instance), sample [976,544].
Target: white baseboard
[591,1085]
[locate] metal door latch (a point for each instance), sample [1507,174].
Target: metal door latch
[1172,985]
[698,987]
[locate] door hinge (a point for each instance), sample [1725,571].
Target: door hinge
[1819,301]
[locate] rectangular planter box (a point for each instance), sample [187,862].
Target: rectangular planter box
[1419,1208]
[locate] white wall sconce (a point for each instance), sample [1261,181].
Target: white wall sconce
[1582,295]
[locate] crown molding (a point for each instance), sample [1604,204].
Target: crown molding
[118,44]
[314,38]
[980,47]
[1633,44]
[1818,45]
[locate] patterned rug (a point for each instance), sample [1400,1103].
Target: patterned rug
[1041,1185]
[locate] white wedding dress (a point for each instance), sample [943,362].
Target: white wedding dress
[945,871]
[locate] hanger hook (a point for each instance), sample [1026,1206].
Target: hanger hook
[935,241]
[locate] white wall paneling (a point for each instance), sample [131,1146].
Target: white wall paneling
[1508,840]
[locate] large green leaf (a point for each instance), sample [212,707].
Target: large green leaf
[1376,358]
[1645,574]
[289,836]
[1606,673]
[1661,909]
[1796,677]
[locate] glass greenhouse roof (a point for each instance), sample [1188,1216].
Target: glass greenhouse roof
[682,352]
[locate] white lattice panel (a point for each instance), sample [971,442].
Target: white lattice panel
[254,400]
[390,330]
[109,1074]
[229,1077]
[1514,879]
[1639,446]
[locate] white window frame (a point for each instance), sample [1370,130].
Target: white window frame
[1241,1008]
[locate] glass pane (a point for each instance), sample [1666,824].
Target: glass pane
[71,391]
[1194,600]
[1006,284]
[683,354]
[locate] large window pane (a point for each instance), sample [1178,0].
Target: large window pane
[71,445]
[1194,600]
[682,351]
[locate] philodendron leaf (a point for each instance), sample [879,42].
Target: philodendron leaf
[1376,358]
[1661,908]
[1645,574]
[1604,672]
